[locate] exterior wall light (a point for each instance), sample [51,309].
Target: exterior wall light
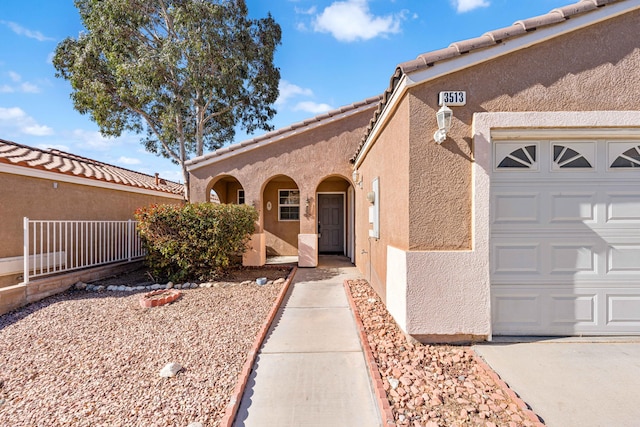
[444,116]
[357,179]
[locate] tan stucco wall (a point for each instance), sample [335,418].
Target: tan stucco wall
[37,198]
[591,69]
[388,160]
[437,281]
[307,158]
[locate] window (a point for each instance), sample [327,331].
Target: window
[288,205]
[241,197]
[524,157]
[565,157]
[628,159]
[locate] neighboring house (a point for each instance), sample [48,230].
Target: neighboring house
[525,220]
[54,185]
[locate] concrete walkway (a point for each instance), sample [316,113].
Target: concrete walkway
[581,382]
[311,369]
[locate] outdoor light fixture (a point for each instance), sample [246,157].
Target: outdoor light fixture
[444,116]
[306,206]
[357,179]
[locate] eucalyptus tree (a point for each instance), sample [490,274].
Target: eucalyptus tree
[182,73]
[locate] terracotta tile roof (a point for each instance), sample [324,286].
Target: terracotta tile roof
[70,164]
[487,40]
[320,119]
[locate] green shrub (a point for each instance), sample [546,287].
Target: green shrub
[195,240]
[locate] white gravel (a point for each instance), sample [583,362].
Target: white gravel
[93,359]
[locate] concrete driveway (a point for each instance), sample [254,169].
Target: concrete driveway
[567,382]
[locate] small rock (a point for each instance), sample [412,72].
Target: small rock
[195,286]
[169,285]
[246,282]
[170,370]
[210,285]
[80,286]
[195,424]
[140,288]
[111,288]
[91,288]
[122,288]
[178,286]
[279,281]
[203,285]
[372,300]
[156,287]
[394,383]
[99,288]
[270,282]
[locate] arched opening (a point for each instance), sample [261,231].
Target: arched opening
[226,189]
[335,213]
[281,212]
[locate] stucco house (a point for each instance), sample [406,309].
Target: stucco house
[55,185]
[519,217]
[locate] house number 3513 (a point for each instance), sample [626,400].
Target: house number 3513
[455,98]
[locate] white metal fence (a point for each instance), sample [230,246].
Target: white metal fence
[58,246]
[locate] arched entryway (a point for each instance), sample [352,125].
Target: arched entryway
[226,189]
[282,209]
[335,216]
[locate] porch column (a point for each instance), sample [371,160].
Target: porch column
[308,237]
[256,254]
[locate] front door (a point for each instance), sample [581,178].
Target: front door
[331,223]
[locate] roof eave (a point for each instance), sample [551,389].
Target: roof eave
[449,60]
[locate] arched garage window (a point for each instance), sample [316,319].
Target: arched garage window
[524,157]
[628,159]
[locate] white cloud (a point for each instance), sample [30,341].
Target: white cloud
[128,160]
[463,6]
[15,119]
[15,77]
[29,88]
[289,90]
[352,20]
[309,11]
[19,85]
[22,31]
[312,107]
[93,140]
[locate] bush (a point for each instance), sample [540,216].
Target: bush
[195,240]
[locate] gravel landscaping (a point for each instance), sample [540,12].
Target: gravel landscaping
[93,358]
[431,385]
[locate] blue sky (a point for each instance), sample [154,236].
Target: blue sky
[333,53]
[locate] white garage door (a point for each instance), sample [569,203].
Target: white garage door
[565,237]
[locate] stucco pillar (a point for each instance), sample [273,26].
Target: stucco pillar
[308,250]
[256,255]
[308,237]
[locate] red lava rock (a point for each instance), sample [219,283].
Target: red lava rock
[441,385]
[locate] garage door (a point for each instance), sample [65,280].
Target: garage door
[565,237]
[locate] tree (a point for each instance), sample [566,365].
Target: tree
[183,72]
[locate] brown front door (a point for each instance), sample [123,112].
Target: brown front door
[331,223]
